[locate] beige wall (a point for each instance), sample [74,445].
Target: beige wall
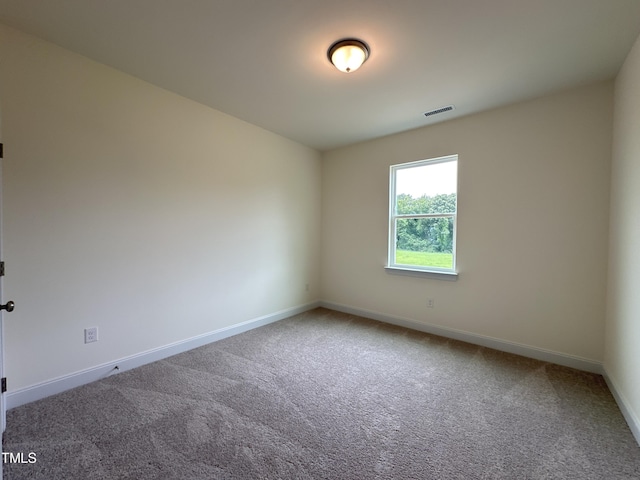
[135,210]
[622,351]
[532,225]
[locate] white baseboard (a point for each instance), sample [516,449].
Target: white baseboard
[76,379]
[476,339]
[623,404]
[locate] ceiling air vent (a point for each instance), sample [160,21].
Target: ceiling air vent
[448,108]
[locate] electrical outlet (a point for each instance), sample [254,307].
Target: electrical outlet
[429,302]
[91,335]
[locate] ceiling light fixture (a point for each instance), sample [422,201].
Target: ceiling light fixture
[348,55]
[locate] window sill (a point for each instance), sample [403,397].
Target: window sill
[413,272]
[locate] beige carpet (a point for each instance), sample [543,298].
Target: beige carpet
[325,395]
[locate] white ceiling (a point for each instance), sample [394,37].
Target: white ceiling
[265,61]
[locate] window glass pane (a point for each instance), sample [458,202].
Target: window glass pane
[426,242]
[427,188]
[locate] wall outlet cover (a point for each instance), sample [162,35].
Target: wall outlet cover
[91,335]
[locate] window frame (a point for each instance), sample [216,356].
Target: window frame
[420,270]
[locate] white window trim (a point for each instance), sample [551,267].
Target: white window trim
[416,270]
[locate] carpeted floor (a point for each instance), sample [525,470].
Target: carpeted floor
[325,395]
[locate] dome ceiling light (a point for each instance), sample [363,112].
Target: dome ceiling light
[348,55]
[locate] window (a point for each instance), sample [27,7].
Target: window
[422,218]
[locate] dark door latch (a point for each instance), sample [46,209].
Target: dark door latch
[9,306]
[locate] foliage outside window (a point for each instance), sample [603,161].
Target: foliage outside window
[422,220]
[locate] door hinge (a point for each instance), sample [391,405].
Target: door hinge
[1,150]
[1,269]
[3,384]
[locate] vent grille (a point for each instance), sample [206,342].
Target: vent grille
[448,108]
